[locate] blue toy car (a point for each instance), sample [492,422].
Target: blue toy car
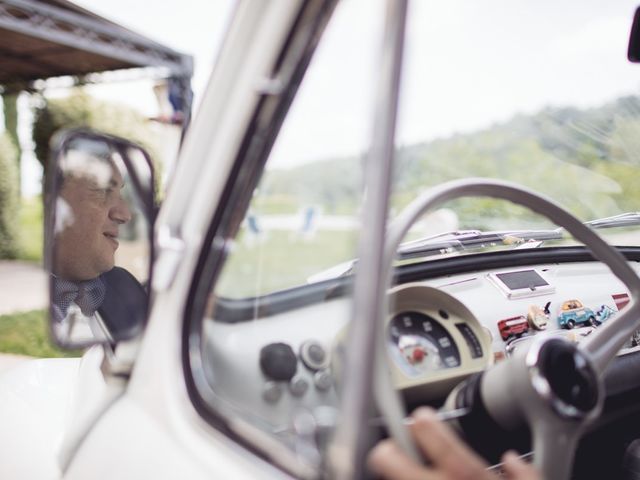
[573,313]
[605,312]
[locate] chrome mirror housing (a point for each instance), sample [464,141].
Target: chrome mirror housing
[99,212]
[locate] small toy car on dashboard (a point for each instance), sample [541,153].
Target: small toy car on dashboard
[538,317]
[573,312]
[605,312]
[513,327]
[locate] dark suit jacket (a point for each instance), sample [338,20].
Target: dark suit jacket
[124,309]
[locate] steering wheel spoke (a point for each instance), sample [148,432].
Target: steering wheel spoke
[554,444]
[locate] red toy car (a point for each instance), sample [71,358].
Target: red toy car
[513,327]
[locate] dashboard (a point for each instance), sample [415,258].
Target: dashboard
[439,331]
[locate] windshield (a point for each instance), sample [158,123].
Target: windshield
[536,93]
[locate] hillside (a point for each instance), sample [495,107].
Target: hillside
[588,160]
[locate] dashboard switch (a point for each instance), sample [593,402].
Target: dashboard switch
[313,355]
[278,361]
[323,380]
[298,386]
[271,392]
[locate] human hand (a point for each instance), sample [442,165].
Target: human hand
[450,458]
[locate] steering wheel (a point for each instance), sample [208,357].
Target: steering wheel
[555,386]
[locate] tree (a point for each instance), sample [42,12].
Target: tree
[10,103]
[8,198]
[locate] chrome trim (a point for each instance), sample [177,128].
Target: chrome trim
[347,452]
[499,467]
[170,248]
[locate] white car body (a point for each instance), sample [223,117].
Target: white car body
[56,423]
[130,412]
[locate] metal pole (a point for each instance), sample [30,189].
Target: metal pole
[347,452]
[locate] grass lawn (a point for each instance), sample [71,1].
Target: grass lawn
[27,333]
[282,259]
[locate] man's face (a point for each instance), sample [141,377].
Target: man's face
[88,239]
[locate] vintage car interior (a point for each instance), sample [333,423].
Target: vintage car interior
[441,210]
[435,341]
[476,273]
[443,326]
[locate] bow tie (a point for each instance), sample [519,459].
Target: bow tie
[88,295]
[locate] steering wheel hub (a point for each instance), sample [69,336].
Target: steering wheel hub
[564,377]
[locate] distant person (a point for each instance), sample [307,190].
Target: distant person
[308,220]
[449,458]
[176,99]
[252,223]
[89,212]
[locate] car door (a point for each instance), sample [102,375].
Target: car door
[154,429]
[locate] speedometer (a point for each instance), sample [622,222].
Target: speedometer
[433,342]
[419,344]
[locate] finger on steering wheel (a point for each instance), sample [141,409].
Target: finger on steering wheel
[515,468]
[443,448]
[449,458]
[389,461]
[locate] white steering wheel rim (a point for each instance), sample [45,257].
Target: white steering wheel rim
[600,348]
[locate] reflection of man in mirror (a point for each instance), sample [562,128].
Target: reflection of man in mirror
[90,209]
[86,245]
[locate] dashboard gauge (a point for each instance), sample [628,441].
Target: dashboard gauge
[419,344]
[475,347]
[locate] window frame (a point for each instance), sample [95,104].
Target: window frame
[258,140]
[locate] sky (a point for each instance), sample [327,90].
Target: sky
[195,27]
[468,64]
[486,61]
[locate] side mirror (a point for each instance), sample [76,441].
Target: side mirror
[99,213]
[633,52]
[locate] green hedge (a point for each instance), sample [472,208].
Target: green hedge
[81,110]
[26,333]
[9,200]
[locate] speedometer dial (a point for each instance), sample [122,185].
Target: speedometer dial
[419,344]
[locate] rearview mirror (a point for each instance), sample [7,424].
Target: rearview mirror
[99,211]
[633,52]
